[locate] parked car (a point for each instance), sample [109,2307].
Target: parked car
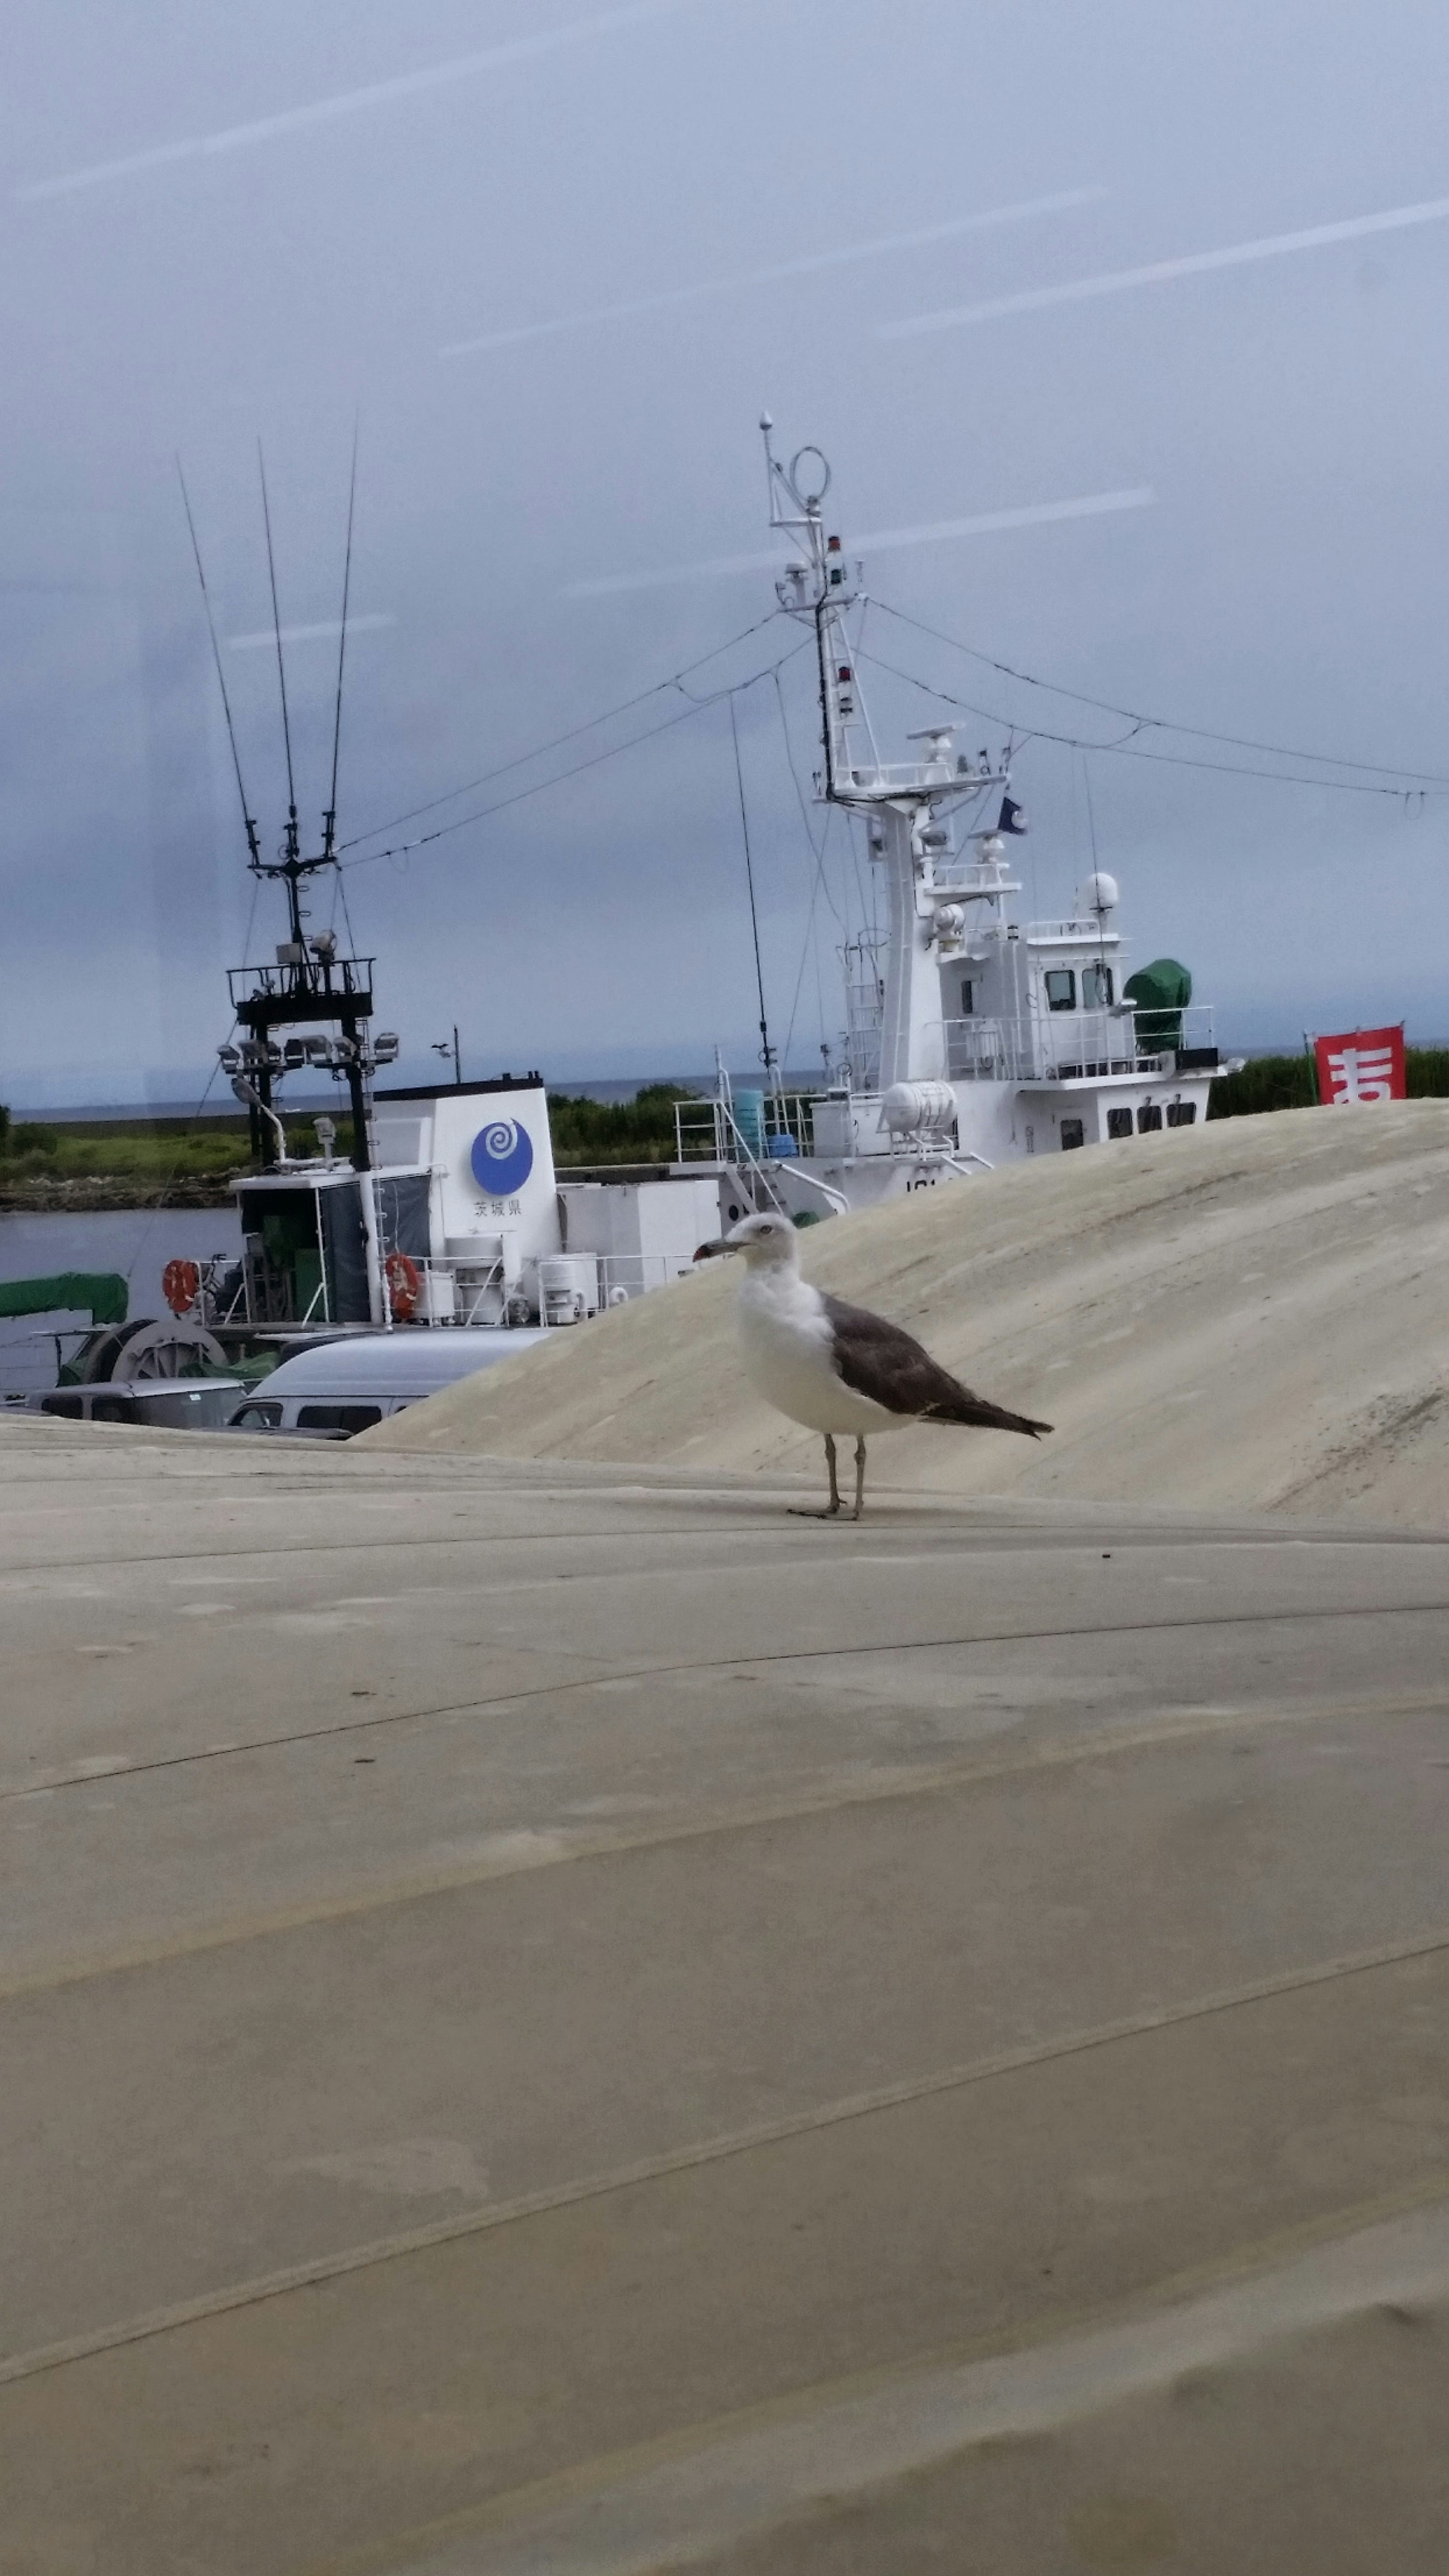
[170,1404]
[338,1388]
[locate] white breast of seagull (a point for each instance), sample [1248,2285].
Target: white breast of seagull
[787,1342]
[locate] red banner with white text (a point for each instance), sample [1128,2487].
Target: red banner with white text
[1362,1064]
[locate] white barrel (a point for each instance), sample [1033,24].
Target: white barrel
[440,1297]
[568,1285]
[479,1281]
[918,1108]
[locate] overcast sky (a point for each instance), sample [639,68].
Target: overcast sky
[556,260]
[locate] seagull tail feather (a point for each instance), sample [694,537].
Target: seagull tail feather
[977,1414]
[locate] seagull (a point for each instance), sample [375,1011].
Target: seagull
[834,1367]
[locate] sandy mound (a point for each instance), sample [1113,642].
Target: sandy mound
[1254,1315]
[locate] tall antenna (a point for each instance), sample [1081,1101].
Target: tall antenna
[248,824]
[292,842]
[329,819]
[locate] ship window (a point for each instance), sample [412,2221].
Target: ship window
[1148,1117]
[968,1003]
[338,1417]
[1096,988]
[1073,1133]
[1119,1122]
[1061,989]
[1181,1113]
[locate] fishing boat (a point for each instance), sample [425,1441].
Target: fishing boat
[972,1038]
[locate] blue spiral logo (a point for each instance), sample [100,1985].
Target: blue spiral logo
[502,1157]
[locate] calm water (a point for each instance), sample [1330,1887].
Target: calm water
[136,1241]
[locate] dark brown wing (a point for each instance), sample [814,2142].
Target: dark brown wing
[878,1360]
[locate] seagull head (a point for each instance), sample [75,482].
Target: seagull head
[767,1242]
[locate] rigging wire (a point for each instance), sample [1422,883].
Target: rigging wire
[766,1052]
[188,1131]
[1126,747]
[277,629]
[1164,724]
[329,821]
[676,680]
[346,915]
[810,946]
[251,917]
[441,831]
[830,810]
[819,883]
[248,822]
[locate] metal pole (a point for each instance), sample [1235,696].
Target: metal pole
[377,1296]
[361,1155]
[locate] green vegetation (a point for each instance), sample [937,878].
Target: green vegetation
[1268,1082]
[153,1155]
[150,1153]
[1289,1082]
[1426,1073]
[616,1131]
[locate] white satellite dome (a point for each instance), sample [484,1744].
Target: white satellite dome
[1099,893]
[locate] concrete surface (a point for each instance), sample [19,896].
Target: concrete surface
[1247,1316]
[562,2019]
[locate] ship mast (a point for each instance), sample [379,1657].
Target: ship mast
[905,803]
[310,985]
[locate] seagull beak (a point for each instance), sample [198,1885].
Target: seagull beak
[711,1251]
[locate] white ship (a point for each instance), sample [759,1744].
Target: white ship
[972,1038]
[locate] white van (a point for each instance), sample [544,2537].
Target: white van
[341,1387]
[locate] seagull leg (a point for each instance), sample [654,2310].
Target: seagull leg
[859,1478]
[802,1511]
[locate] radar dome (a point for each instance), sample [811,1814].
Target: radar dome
[1099,894]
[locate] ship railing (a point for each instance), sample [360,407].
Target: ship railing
[699,1129]
[975,1050]
[238,1306]
[626,1275]
[458,1291]
[1053,1047]
[718,1131]
[1073,926]
[915,777]
[1066,1046]
[574,1285]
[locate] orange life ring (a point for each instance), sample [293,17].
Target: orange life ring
[180,1285]
[404,1285]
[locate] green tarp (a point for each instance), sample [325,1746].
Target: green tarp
[101,1293]
[1162,992]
